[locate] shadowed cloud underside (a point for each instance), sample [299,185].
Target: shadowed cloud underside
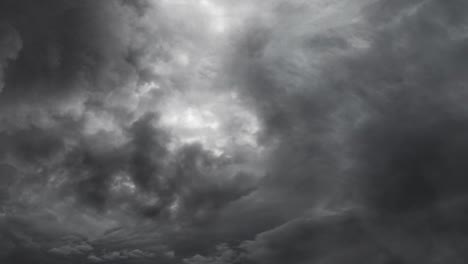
[233,132]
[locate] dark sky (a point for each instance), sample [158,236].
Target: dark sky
[233,131]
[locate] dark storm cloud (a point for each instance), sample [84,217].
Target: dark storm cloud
[58,60]
[31,146]
[378,124]
[332,239]
[192,181]
[63,46]
[393,90]
[93,169]
[363,130]
[54,56]
[149,151]
[61,62]
[411,147]
[289,74]
[10,45]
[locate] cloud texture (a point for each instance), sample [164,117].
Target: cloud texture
[233,131]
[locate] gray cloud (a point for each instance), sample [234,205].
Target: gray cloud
[347,145]
[10,44]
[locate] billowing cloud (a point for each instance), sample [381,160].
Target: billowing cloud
[216,131]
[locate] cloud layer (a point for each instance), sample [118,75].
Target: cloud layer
[233,131]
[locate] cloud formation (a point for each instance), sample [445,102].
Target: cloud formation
[233,131]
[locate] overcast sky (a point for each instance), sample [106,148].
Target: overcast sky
[233,131]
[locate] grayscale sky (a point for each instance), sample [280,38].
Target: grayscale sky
[233,131]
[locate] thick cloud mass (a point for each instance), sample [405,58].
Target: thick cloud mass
[228,132]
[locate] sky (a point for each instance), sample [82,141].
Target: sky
[233,131]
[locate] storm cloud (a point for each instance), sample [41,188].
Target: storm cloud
[233,131]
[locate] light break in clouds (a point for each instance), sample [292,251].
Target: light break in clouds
[233,132]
